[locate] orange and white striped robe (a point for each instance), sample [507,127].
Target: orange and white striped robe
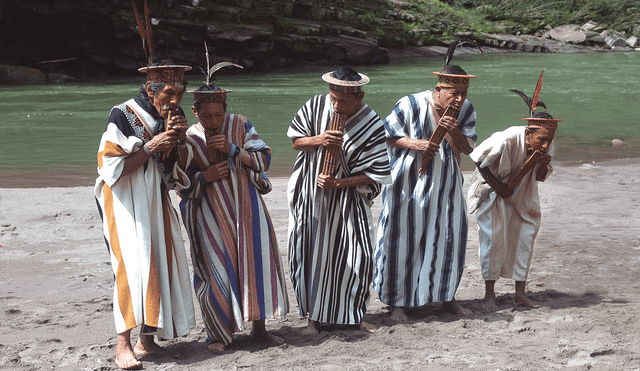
[141,228]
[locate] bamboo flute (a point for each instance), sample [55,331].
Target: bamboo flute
[215,156]
[332,153]
[526,167]
[438,134]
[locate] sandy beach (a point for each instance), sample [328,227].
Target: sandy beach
[56,293]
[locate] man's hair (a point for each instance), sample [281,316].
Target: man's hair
[208,87]
[346,74]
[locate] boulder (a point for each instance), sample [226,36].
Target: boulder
[632,41]
[59,78]
[20,75]
[569,33]
[617,143]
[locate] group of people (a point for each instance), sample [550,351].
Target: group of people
[217,167]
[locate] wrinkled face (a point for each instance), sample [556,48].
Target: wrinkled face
[539,139]
[211,115]
[166,99]
[446,96]
[346,103]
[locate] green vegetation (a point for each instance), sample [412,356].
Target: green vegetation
[401,22]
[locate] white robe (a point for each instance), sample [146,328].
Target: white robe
[507,228]
[142,231]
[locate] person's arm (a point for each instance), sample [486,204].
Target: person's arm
[501,190]
[161,142]
[423,146]
[329,182]
[328,138]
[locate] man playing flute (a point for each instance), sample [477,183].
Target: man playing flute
[238,274]
[422,229]
[142,155]
[508,211]
[330,228]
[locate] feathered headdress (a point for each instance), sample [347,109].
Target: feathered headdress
[454,76]
[167,73]
[209,93]
[534,103]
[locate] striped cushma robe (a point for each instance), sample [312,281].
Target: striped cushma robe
[507,227]
[238,275]
[141,228]
[330,231]
[422,229]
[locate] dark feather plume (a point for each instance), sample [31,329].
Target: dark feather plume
[448,56]
[146,33]
[528,101]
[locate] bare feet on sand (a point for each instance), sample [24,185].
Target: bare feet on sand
[217,346]
[489,303]
[398,314]
[313,328]
[455,308]
[366,326]
[259,332]
[125,357]
[146,345]
[523,301]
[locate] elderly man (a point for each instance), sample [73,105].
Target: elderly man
[422,229]
[142,153]
[506,201]
[330,229]
[238,274]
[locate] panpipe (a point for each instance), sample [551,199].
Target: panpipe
[526,167]
[332,153]
[214,155]
[438,135]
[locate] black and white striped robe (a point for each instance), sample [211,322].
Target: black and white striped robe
[330,231]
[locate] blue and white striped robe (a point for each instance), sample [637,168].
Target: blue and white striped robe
[331,231]
[422,229]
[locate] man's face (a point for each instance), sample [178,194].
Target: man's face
[446,96]
[346,103]
[166,99]
[539,139]
[211,115]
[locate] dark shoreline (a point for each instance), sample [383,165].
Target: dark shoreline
[571,150]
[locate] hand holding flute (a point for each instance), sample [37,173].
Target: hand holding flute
[447,122]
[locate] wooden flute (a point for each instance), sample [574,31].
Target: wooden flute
[438,134]
[332,153]
[215,156]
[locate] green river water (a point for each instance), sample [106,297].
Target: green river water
[56,129]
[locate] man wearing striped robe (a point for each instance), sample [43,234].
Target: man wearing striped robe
[142,153]
[237,274]
[422,229]
[330,228]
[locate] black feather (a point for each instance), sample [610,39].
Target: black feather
[448,56]
[526,99]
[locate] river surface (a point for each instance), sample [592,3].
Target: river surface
[57,128]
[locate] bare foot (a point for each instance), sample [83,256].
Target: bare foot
[259,332]
[366,326]
[398,315]
[489,304]
[217,346]
[146,345]
[455,308]
[125,357]
[524,301]
[313,328]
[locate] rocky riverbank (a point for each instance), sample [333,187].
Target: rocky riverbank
[45,42]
